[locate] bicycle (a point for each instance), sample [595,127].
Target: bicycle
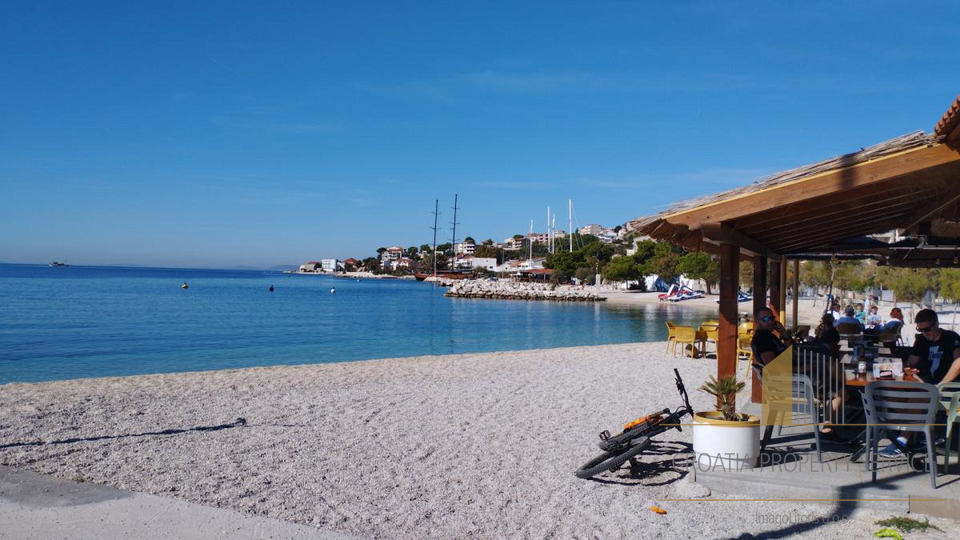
[636,436]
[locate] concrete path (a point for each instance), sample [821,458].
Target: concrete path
[43,507]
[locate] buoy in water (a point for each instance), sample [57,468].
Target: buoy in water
[271,288]
[333,291]
[184,286]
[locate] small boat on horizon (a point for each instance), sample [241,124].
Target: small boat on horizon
[58,264]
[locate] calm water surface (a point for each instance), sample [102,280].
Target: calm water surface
[65,323]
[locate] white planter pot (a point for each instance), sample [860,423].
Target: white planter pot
[724,445]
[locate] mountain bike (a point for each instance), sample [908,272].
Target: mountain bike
[636,436]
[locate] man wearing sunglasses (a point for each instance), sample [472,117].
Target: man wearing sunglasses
[935,353]
[935,358]
[766,344]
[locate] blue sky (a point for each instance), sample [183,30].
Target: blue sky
[219,134]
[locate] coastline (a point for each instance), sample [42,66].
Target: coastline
[470,445]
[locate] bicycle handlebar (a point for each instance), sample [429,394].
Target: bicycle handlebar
[682,389]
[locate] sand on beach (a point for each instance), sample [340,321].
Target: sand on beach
[473,445]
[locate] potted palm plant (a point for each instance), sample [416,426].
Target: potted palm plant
[725,438]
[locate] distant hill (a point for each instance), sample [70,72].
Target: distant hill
[282,267]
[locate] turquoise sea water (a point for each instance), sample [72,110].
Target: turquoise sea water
[65,323]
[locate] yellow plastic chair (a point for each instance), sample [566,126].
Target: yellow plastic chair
[671,336]
[745,327]
[950,400]
[707,333]
[745,350]
[685,335]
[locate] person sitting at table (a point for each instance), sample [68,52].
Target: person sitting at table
[934,358]
[873,318]
[835,311]
[770,338]
[826,333]
[893,326]
[861,314]
[849,318]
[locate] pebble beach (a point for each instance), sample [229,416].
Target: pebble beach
[476,445]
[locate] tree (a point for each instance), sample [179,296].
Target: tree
[664,261]
[488,242]
[622,269]
[518,237]
[412,251]
[586,276]
[426,265]
[486,250]
[424,248]
[950,284]
[563,264]
[381,251]
[908,284]
[645,250]
[746,276]
[700,266]
[469,240]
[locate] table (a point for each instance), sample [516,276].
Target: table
[857,380]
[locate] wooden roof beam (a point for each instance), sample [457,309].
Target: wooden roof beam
[721,233]
[773,235]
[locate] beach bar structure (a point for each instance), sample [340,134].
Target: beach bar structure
[824,210]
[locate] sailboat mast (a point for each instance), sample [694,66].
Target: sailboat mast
[570,222]
[549,241]
[436,214]
[531,243]
[453,240]
[553,238]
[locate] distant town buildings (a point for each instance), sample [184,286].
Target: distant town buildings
[593,229]
[465,248]
[312,266]
[323,265]
[393,253]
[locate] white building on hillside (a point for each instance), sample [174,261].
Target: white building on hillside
[593,229]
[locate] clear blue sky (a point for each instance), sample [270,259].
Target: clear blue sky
[220,134]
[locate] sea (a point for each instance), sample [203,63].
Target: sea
[86,321]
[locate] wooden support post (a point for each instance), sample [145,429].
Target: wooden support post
[783,291]
[759,283]
[729,281]
[759,301]
[775,269]
[796,294]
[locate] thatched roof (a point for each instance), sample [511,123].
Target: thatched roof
[886,148]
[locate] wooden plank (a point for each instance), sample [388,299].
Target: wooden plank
[759,283]
[786,218]
[830,182]
[783,291]
[775,281]
[808,228]
[727,338]
[796,293]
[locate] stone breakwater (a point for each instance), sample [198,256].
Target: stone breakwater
[518,291]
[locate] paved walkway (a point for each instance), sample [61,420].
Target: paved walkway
[43,507]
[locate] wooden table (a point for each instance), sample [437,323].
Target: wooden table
[860,381]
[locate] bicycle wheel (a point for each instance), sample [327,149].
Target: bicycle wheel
[611,461]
